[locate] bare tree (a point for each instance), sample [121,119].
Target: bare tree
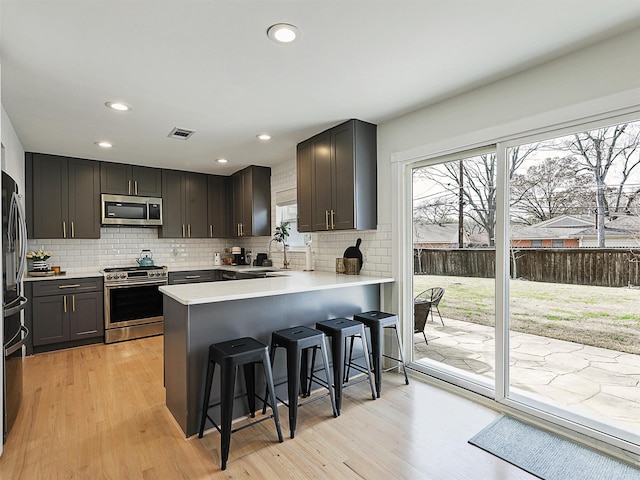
[601,149]
[479,180]
[550,188]
[438,210]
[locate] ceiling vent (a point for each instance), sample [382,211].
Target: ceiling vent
[181,133]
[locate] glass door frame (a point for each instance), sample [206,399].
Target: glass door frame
[402,244]
[557,415]
[442,371]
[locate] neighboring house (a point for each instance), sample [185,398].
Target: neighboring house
[445,235]
[437,235]
[621,232]
[558,232]
[574,231]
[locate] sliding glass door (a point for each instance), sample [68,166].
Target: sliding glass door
[574,291]
[526,275]
[453,225]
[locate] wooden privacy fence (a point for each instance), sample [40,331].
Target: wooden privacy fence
[607,267]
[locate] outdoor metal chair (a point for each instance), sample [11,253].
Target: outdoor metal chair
[423,304]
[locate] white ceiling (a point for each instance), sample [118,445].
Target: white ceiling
[208,66]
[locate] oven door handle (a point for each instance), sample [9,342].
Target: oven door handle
[137,284]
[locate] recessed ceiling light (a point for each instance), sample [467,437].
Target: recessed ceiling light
[119,106]
[263,136]
[104,144]
[222,160]
[283,33]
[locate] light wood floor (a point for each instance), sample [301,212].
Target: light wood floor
[98,412]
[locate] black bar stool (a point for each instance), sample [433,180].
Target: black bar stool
[230,355]
[339,329]
[297,341]
[377,322]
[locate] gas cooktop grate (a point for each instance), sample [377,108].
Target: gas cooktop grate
[131,269]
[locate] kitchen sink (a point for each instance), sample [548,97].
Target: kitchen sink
[244,275]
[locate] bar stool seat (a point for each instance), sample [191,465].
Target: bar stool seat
[338,330]
[296,341]
[230,355]
[377,322]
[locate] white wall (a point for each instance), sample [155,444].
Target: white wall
[552,93]
[593,81]
[13,153]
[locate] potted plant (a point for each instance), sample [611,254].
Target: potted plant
[281,235]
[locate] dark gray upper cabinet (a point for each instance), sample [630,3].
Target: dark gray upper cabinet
[321,181]
[184,202]
[304,179]
[122,179]
[337,178]
[218,224]
[251,197]
[64,197]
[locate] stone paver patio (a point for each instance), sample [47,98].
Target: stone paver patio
[595,382]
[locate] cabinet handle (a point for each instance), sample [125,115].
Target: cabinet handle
[64,301]
[192,276]
[75,285]
[128,187]
[326,219]
[211,231]
[189,230]
[64,229]
[333,222]
[73,303]
[73,230]
[237,230]
[242,229]
[183,230]
[136,187]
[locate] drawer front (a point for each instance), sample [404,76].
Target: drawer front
[196,276]
[67,286]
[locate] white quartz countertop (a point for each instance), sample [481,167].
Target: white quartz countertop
[98,272]
[30,278]
[280,284]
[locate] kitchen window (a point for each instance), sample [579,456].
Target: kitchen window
[287,211]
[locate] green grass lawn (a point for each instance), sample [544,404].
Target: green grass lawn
[599,316]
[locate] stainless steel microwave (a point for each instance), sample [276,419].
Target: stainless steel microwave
[130,210]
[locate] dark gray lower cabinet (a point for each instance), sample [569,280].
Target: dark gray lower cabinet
[194,276]
[65,313]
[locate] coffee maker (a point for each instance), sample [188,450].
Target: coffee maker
[238,256]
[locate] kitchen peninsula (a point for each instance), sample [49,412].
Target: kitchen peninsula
[197,315]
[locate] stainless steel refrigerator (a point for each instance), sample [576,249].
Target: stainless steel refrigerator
[14,249]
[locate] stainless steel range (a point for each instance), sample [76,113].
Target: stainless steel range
[132,302]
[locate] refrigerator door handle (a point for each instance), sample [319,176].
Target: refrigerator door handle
[8,350]
[16,212]
[22,235]
[11,308]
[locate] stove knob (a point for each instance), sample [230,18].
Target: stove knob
[152,274]
[123,275]
[109,276]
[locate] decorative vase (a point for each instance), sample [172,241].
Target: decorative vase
[40,266]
